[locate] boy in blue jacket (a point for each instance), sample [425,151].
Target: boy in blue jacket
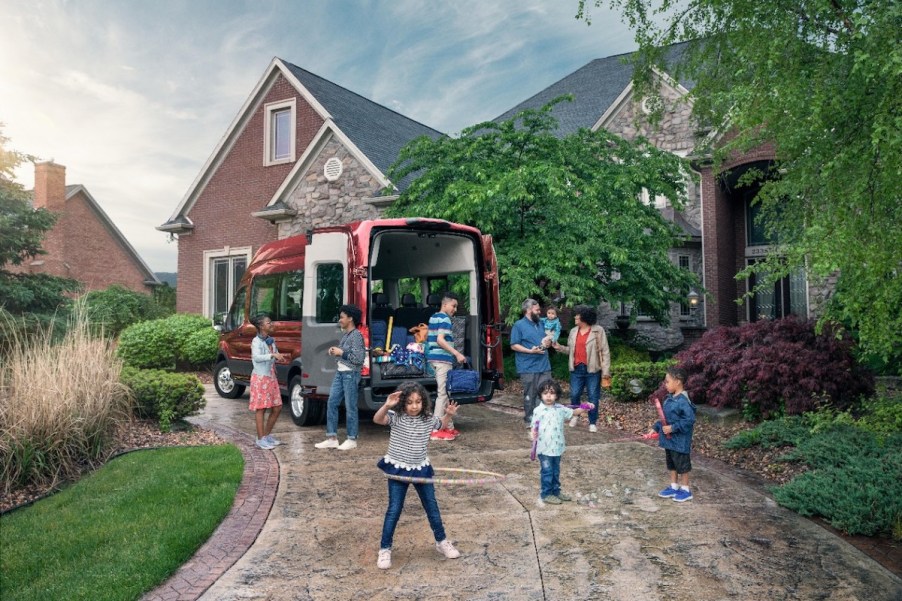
[676,436]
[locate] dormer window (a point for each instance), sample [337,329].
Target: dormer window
[279,135]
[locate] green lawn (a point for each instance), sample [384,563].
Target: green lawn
[120,531]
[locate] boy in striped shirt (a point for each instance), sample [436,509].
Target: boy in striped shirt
[441,354]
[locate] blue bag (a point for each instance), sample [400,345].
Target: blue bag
[463,380]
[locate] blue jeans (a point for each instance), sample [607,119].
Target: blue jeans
[397,491]
[344,386]
[550,474]
[581,379]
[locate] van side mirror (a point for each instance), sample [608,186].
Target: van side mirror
[219,322]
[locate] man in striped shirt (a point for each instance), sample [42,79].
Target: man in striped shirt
[441,354]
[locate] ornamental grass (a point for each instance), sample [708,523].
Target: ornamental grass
[60,403]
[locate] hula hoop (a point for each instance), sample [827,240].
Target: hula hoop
[491,477]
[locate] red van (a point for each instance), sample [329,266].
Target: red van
[394,270]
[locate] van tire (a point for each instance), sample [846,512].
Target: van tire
[225,386]
[304,412]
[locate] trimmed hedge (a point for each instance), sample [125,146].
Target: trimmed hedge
[650,375]
[184,339]
[164,396]
[117,307]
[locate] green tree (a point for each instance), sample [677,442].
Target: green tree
[564,212]
[22,230]
[822,81]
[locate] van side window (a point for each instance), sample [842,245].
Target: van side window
[290,296]
[236,313]
[263,295]
[330,284]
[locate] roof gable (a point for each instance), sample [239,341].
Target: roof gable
[373,132]
[595,88]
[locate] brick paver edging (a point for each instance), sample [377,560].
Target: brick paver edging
[239,529]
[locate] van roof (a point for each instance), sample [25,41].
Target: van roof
[294,245]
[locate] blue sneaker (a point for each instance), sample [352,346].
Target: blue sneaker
[682,495]
[668,492]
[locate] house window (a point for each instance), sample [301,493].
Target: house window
[787,296]
[279,133]
[684,263]
[223,270]
[329,291]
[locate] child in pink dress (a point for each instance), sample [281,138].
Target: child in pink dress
[264,385]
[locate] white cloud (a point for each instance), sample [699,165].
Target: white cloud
[132,97]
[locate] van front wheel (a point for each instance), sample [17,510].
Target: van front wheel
[304,412]
[225,386]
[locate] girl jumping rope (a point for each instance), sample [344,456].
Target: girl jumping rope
[411,425]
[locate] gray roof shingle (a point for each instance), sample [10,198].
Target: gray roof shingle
[594,88]
[378,131]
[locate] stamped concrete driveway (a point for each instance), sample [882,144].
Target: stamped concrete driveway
[731,542]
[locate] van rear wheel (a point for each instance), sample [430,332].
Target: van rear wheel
[225,386]
[304,412]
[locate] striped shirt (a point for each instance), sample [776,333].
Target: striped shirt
[409,438]
[439,323]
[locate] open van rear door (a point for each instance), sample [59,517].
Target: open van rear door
[492,325]
[325,291]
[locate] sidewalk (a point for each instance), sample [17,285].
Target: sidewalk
[320,537]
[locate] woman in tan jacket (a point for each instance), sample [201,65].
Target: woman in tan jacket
[590,360]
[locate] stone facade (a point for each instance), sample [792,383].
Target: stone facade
[675,132]
[319,202]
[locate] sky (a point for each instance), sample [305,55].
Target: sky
[132,96]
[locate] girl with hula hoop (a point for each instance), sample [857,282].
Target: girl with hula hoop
[408,412]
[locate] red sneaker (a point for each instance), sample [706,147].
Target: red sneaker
[454,431]
[441,435]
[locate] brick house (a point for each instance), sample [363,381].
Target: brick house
[84,244]
[718,221]
[302,152]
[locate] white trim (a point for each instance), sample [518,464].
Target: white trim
[701,218]
[268,110]
[313,150]
[264,84]
[219,253]
[615,107]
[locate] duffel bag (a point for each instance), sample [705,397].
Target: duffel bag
[463,380]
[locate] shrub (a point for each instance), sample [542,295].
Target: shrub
[768,366]
[163,343]
[201,347]
[649,375]
[148,345]
[789,431]
[882,416]
[621,352]
[60,404]
[118,307]
[164,396]
[855,482]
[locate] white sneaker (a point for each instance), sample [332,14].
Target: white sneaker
[264,444]
[447,549]
[347,445]
[329,443]
[574,421]
[384,561]
[272,440]
[593,428]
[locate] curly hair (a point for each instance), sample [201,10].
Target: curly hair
[587,314]
[549,385]
[257,319]
[408,388]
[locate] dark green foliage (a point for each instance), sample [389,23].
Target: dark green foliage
[161,343]
[649,375]
[118,307]
[856,483]
[774,433]
[163,395]
[519,181]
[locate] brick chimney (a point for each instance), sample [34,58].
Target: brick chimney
[49,186]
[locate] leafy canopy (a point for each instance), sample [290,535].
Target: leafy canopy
[822,81]
[564,212]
